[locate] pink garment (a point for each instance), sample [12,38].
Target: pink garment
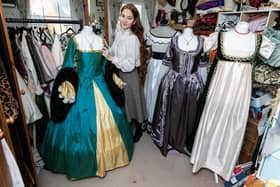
[49,60]
[258,24]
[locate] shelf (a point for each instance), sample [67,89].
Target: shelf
[245,16]
[227,20]
[273,14]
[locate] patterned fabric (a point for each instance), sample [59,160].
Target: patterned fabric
[266,74]
[10,105]
[249,59]
[274,36]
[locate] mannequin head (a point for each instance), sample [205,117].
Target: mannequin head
[242,27]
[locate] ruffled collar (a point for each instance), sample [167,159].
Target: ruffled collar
[87,29]
[126,31]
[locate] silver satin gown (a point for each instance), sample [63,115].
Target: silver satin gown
[179,92]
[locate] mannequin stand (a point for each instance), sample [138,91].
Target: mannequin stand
[216,178]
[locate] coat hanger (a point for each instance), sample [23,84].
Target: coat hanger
[69,30]
[48,34]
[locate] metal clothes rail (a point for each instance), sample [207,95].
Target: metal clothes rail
[30,20]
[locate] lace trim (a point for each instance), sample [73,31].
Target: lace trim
[87,50]
[157,40]
[238,59]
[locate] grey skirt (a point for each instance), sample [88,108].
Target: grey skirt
[134,96]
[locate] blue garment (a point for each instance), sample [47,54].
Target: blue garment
[70,146]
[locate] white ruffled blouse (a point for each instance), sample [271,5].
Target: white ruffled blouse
[126,51]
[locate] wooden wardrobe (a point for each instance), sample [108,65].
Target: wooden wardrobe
[15,133]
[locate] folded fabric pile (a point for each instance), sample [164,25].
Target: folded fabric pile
[207,7]
[205,24]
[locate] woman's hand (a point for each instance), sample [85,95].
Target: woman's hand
[105,53]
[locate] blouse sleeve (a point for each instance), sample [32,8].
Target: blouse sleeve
[112,48]
[69,55]
[211,42]
[130,57]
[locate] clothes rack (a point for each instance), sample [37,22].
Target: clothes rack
[16,134]
[30,20]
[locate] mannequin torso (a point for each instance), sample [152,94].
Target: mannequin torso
[160,37]
[239,41]
[187,41]
[88,40]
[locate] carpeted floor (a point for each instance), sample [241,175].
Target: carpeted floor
[148,168]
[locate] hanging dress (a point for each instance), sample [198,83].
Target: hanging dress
[57,52]
[29,63]
[180,89]
[223,121]
[30,108]
[95,136]
[13,168]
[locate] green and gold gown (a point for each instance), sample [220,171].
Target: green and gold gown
[95,136]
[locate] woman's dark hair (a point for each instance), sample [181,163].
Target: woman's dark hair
[138,30]
[171,2]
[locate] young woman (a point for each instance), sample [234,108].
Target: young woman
[128,53]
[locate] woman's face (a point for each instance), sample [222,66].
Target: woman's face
[162,2]
[126,19]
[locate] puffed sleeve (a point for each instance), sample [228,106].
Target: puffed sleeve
[211,42]
[129,58]
[269,51]
[69,55]
[149,42]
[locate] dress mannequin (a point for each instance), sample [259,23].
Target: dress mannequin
[187,41]
[158,40]
[239,34]
[179,91]
[164,32]
[79,146]
[227,100]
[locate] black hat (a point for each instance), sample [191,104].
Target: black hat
[116,93]
[59,109]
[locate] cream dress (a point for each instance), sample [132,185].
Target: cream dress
[222,125]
